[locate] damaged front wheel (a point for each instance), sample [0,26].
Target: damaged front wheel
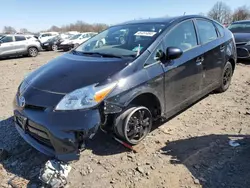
[133,124]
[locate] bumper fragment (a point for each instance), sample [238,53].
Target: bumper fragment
[56,133]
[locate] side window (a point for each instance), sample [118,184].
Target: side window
[20,38]
[182,36]
[220,29]
[7,39]
[206,30]
[153,57]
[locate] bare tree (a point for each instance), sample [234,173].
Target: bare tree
[241,13]
[81,27]
[221,12]
[54,28]
[9,30]
[24,30]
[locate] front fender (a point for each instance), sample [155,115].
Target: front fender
[135,85]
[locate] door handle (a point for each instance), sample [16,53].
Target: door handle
[199,60]
[222,47]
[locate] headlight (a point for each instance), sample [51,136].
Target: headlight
[46,44]
[86,97]
[248,43]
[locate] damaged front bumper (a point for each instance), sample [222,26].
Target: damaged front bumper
[57,134]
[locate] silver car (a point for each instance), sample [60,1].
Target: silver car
[12,45]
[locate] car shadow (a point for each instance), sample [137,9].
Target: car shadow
[244,61]
[212,161]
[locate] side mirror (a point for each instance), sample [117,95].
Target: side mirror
[173,53]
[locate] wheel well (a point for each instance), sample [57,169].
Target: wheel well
[150,101]
[32,47]
[232,63]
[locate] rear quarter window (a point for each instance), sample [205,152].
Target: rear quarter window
[221,29]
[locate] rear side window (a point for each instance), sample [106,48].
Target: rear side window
[7,39]
[220,29]
[183,36]
[20,38]
[206,30]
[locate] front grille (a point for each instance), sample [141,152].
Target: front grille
[241,44]
[39,134]
[33,107]
[242,52]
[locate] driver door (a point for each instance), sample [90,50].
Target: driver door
[183,76]
[7,46]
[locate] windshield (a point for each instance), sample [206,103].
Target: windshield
[75,37]
[123,40]
[240,27]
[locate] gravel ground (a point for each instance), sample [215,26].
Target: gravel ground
[190,150]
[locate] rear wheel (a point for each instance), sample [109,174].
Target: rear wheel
[32,52]
[226,78]
[133,124]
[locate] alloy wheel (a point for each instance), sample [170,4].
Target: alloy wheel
[227,76]
[138,124]
[33,52]
[54,47]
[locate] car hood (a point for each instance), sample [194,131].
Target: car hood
[66,41]
[69,72]
[242,37]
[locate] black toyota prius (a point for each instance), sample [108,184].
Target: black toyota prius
[156,68]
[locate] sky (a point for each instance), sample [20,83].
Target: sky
[37,15]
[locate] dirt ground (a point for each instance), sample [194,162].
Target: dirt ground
[191,150]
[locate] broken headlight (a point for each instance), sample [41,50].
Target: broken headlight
[86,97]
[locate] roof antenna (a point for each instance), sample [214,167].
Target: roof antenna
[184,13]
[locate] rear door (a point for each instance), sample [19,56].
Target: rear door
[20,44]
[214,50]
[183,76]
[7,46]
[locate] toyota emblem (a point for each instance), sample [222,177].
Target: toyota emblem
[22,101]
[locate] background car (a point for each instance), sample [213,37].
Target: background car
[53,43]
[43,37]
[241,31]
[76,40]
[12,45]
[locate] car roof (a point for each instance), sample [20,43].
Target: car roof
[163,20]
[242,21]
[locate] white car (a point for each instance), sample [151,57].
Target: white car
[76,40]
[43,37]
[15,45]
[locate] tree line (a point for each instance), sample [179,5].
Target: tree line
[220,12]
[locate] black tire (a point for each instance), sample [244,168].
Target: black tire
[32,52]
[131,126]
[54,47]
[226,78]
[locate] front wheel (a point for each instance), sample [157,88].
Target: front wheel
[32,52]
[133,124]
[54,47]
[226,78]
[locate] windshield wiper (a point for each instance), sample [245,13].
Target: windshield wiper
[101,54]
